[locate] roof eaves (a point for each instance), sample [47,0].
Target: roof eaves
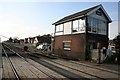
[59,22]
[81,13]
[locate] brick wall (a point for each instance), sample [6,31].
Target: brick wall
[77,46]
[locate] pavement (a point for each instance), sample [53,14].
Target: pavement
[113,67]
[108,67]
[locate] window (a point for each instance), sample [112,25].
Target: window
[99,26]
[67,27]
[96,26]
[59,28]
[102,27]
[98,12]
[79,25]
[90,22]
[66,45]
[75,26]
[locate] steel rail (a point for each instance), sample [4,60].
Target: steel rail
[77,70]
[56,63]
[102,69]
[73,68]
[49,75]
[80,71]
[11,64]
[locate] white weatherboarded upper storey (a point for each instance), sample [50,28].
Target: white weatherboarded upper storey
[96,18]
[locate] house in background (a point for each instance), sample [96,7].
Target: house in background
[30,40]
[26,40]
[80,33]
[36,40]
[112,45]
[22,41]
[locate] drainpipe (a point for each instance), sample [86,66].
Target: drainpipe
[86,41]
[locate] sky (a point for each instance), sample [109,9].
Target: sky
[29,19]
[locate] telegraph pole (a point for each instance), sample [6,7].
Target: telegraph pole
[0,60]
[0,54]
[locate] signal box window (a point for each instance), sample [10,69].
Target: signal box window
[67,45]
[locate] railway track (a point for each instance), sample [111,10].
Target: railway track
[59,70]
[77,66]
[95,67]
[24,64]
[93,71]
[73,70]
[11,65]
